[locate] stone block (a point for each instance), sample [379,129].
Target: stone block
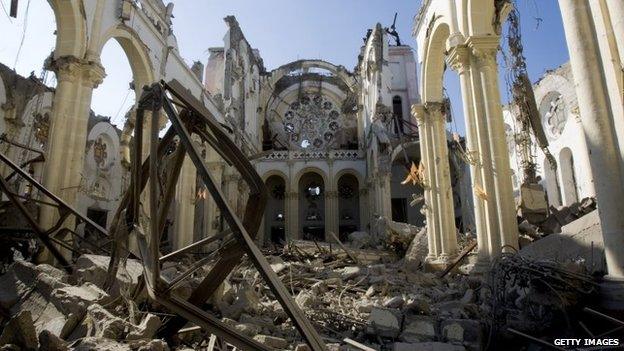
[384,322]
[146,329]
[271,341]
[94,269]
[419,328]
[465,331]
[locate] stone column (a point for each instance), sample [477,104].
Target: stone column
[442,173]
[331,214]
[185,200]
[598,125]
[292,201]
[459,60]
[68,131]
[364,219]
[498,142]
[426,155]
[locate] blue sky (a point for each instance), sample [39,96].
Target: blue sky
[283,31]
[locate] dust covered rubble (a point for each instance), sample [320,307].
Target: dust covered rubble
[44,308]
[379,300]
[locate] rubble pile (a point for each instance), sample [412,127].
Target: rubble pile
[44,308]
[375,303]
[557,217]
[358,299]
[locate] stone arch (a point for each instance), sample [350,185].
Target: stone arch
[339,71]
[569,186]
[71,28]
[143,72]
[312,216]
[275,172]
[434,62]
[308,169]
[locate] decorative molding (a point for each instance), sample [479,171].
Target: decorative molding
[458,58]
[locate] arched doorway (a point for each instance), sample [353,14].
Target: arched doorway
[274,214]
[312,206]
[568,177]
[348,206]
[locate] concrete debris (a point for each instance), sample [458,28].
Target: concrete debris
[380,303]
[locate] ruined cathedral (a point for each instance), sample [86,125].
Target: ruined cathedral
[314,206]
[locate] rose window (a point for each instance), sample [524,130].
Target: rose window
[554,114]
[312,122]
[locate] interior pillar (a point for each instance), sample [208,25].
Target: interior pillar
[443,190]
[598,124]
[485,50]
[484,164]
[459,60]
[68,131]
[428,182]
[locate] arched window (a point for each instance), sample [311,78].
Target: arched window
[397,110]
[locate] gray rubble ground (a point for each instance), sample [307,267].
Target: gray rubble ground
[383,303]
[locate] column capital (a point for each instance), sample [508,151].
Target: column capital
[435,109]
[459,58]
[484,49]
[74,69]
[418,112]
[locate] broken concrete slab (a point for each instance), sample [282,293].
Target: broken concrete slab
[419,328]
[582,240]
[94,269]
[271,341]
[384,322]
[464,331]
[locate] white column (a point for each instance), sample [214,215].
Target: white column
[486,48]
[459,60]
[429,182]
[484,164]
[443,190]
[68,130]
[598,124]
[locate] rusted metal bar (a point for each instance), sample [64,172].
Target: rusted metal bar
[344,248]
[534,339]
[459,258]
[602,315]
[193,118]
[199,243]
[45,235]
